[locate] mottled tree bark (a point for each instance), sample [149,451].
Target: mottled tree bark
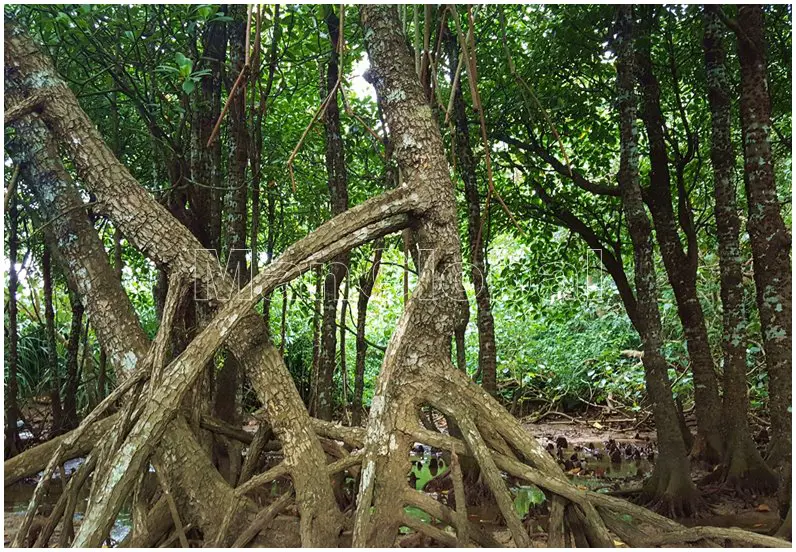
[680,264]
[85,263]
[236,201]
[237,195]
[417,368]
[670,486]
[771,242]
[323,391]
[205,197]
[742,465]
[476,235]
[147,225]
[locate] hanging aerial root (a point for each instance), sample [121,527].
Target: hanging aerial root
[460,520]
[65,508]
[175,514]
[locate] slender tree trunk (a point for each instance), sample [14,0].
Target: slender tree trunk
[487,353]
[228,384]
[742,465]
[681,266]
[237,196]
[770,240]
[72,361]
[670,486]
[323,392]
[206,196]
[12,413]
[343,365]
[365,288]
[52,350]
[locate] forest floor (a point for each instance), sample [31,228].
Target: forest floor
[597,452]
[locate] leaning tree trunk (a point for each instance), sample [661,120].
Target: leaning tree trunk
[770,240]
[487,353]
[82,256]
[12,339]
[323,391]
[681,265]
[670,486]
[742,465]
[147,225]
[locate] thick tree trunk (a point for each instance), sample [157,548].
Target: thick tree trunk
[742,465]
[52,350]
[670,486]
[417,369]
[206,160]
[365,288]
[85,263]
[12,442]
[771,242]
[148,225]
[487,353]
[323,391]
[681,265]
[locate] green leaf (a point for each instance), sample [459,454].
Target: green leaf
[188,86]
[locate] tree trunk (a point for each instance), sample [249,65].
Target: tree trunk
[323,399]
[670,486]
[228,380]
[365,288]
[681,266]
[72,361]
[85,263]
[417,369]
[52,350]
[206,160]
[770,240]
[147,225]
[742,465]
[12,413]
[487,353]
